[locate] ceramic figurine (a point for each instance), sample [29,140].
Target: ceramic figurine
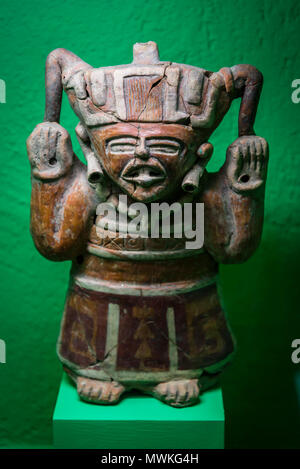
[143,312]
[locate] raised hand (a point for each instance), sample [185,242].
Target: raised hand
[50,151]
[246,163]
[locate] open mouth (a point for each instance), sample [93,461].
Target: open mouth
[144,174]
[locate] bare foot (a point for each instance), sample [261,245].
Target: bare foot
[180,393]
[99,392]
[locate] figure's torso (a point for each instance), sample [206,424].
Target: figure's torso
[142,309]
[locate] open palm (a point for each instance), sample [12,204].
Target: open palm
[49,150]
[246,163]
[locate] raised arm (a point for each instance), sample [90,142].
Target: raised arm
[62,202]
[234,201]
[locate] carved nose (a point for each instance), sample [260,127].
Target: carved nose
[141,151]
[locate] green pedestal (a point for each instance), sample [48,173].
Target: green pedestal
[138,421]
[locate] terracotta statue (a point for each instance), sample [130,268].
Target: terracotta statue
[144,312]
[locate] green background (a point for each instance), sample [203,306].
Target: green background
[260,394]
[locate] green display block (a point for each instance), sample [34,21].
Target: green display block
[138,421]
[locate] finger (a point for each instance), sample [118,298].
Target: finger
[51,148]
[266,148]
[263,161]
[65,145]
[254,152]
[52,143]
[266,154]
[235,161]
[44,143]
[246,156]
[32,145]
[259,155]
[233,152]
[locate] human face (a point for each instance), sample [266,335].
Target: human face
[146,160]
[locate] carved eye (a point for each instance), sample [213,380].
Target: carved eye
[164,149]
[163,146]
[122,148]
[122,145]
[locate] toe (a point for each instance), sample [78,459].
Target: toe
[181,393]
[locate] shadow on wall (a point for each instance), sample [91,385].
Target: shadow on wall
[261,298]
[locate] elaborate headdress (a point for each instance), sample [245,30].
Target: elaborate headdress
[149,90]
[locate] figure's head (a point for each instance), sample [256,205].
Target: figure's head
[146,121]
[146,160]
